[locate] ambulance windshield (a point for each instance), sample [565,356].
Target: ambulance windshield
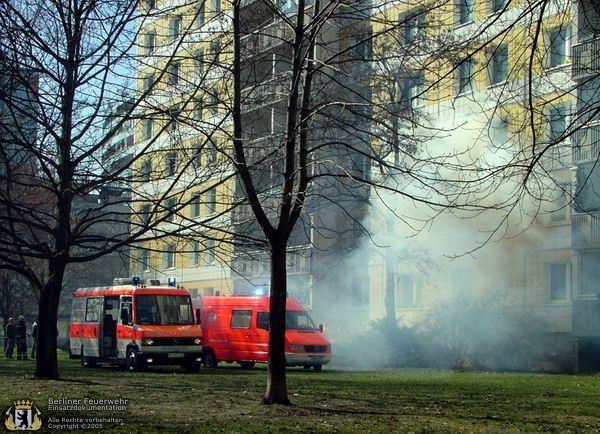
[163,309]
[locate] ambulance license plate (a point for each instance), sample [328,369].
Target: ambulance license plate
[175,355]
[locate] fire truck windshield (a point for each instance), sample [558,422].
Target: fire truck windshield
[298,320]
[163,310]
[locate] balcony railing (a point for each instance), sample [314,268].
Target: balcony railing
[586,231]
[266,92]
[586,143]
[586,58]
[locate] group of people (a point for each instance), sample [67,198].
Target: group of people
[16,335]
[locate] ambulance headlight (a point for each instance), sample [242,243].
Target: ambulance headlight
[147,341]
[296,348]
[197,341]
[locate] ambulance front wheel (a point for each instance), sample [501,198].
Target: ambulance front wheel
[210,361]
[134,361]
[87,362]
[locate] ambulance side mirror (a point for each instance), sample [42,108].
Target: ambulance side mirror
[198,318]
[321,328]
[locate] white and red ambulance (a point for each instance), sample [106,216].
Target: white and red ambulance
[135,325]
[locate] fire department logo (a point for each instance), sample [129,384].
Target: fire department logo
[23,415]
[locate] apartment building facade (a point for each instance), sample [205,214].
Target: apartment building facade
[182,186]
[511,88]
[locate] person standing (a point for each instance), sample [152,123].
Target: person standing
[34,334]
[11,336]
[21,338]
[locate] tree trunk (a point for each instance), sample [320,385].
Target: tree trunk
[390,295]
[46,361]
[390,261]
[276,373]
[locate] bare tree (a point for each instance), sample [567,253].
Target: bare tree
[66,66]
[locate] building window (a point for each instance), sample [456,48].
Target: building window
[169,256]
[209,252]
[200,18]
[197,156]
[589,273]
[495,6]
[557,280]
[171,164]
[215,6]
[146,129]
[464,12]
[145,260]
[588,101]
[170,210]
[498,64]
[195,259]
[211,156]
[464,77]
[149,81]
[211,202]
[176,27]
[559,203]
[359,48]
[150,42]
[195,205]
[215,49]
[558,48]
[145,215]
[415,91]
[288,7]
[173,73]
[150,5]
[213,104]
[146,170]
[174,114]
[199,62]
[413,26]
[408,292]
[198,109]
[557,121]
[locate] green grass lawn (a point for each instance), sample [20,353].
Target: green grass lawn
[227,399]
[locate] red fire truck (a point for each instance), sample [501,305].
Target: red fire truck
[235,329]
[136,326]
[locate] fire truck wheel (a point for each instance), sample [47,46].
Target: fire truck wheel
[247,365]
[317,368]
[210,361]
[133,360]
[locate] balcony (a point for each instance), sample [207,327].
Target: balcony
[586,231]
[586,58]
[266,92]
[266,39]
[586,143]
